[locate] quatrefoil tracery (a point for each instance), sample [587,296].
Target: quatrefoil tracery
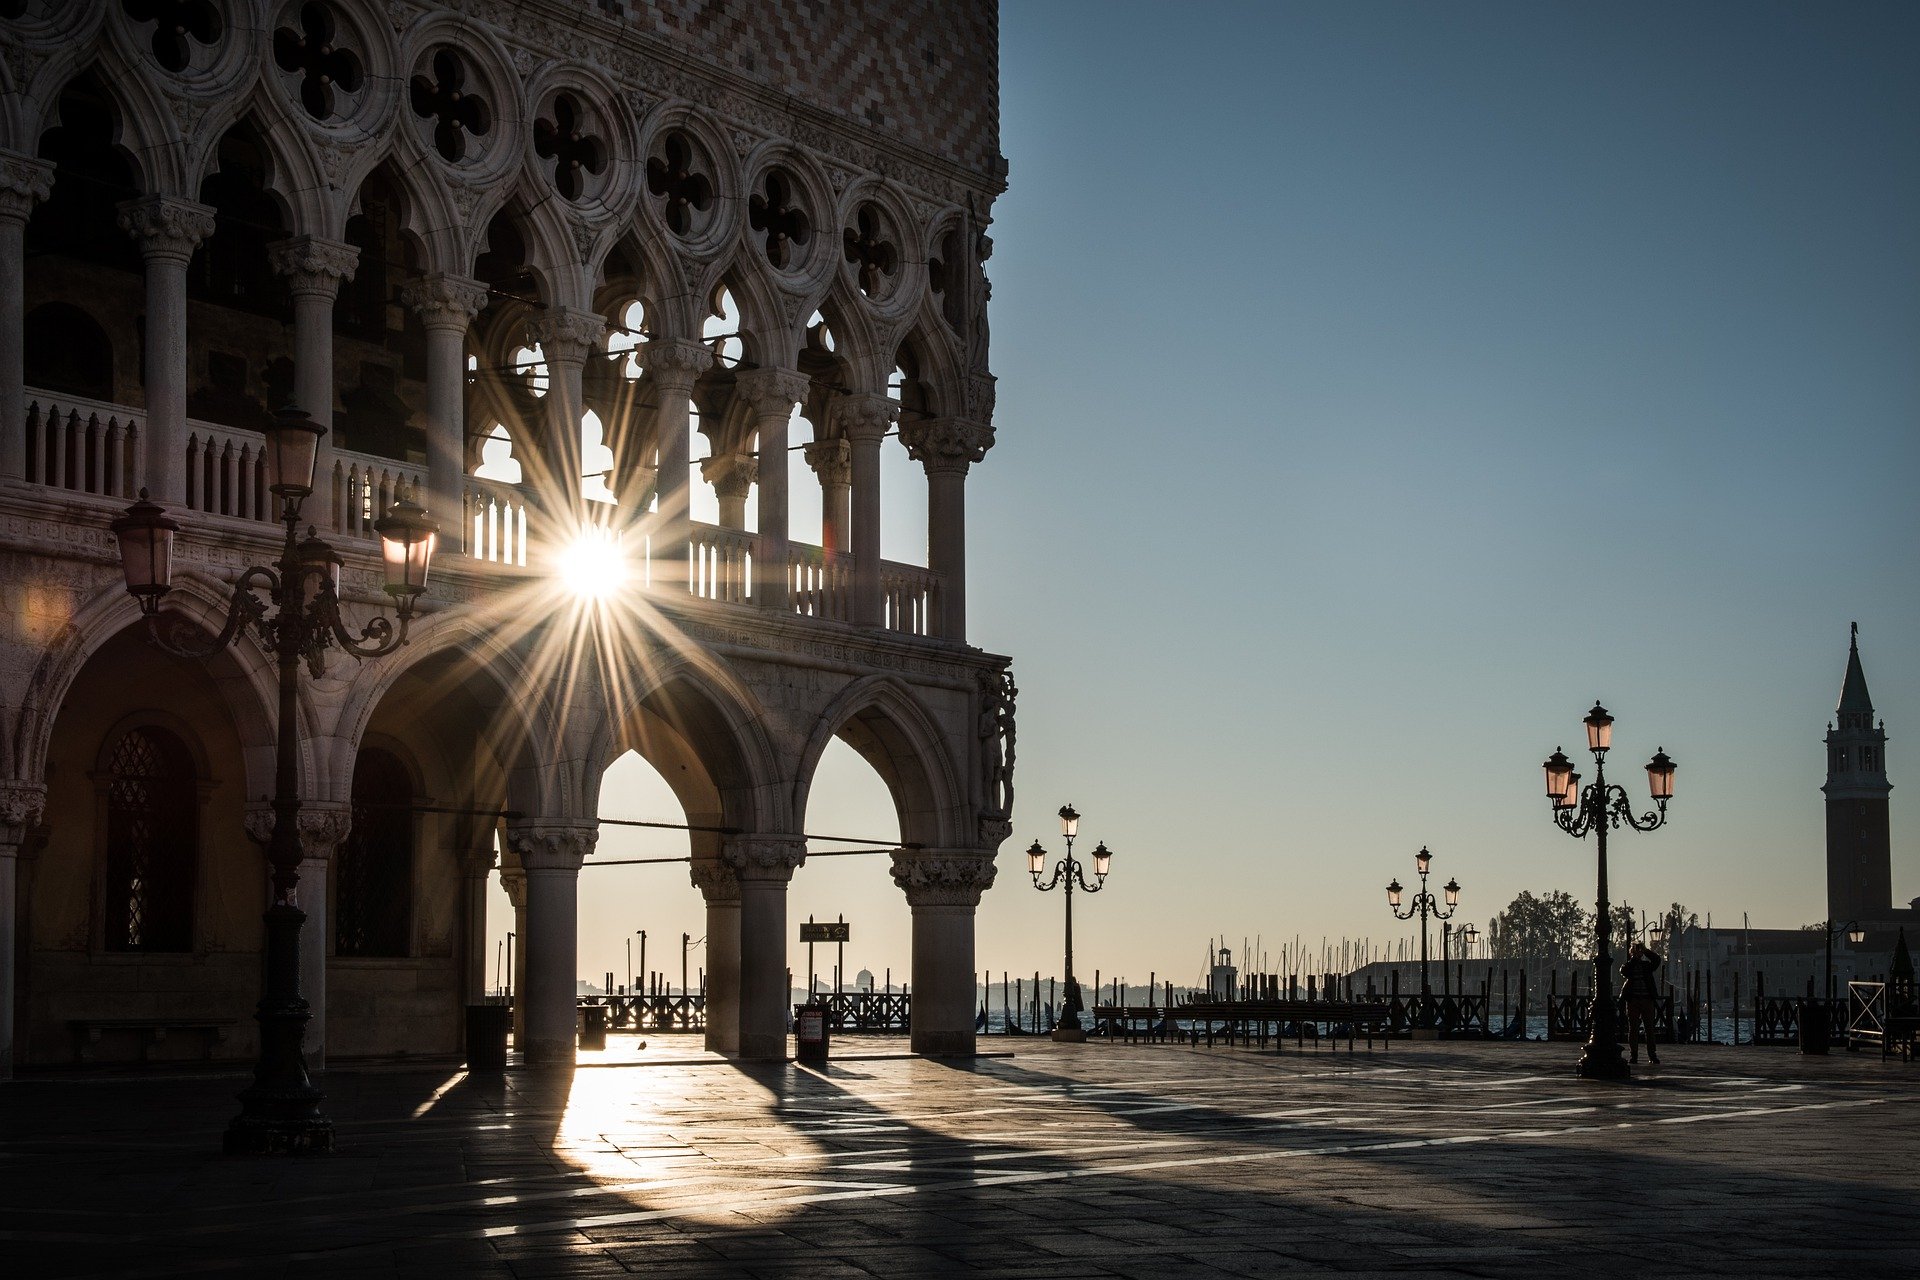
[321,64]
[175,22]
[867,247]
[443,98]
[775,213]
[675,181]
[944,278]
[574,152]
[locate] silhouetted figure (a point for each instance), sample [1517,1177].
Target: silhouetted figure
[1642,994]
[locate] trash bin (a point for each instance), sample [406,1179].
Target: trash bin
[810,1030]
[593,1026]
[487,1027]
[1814,1030]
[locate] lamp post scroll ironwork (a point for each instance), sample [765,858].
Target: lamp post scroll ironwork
[1425,906]
[1596,809]
[1068,872]
[293,609]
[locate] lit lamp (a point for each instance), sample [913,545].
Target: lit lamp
[1067,873]
[1596,810]
[1394,891]
[1452,890]
[1856,935]
[293,610]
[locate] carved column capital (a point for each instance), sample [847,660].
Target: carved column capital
[946,444]
[676,364]
[313,266]
[552,846]
[566,336]
[831,460]
[445,301]
[717,882]
[320,826]
[166,228]
[730,474]
[864,417]
[770,393]
[764,857]
[24,183]
[943,877]
[479,863]
[513,882]
[21,804]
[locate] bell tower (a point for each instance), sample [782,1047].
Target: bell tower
[1859,842]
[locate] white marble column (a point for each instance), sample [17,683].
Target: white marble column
[943,886]
[832,463]
[24,182]
[513,882]
[446,305]
[721,889]
[673,366]
[763,866]
[21,804]
[732,476]
[864,422]
[476,866]
[167,230]
[551,857]
[566,338]
[771,395]
[314,268]
[946,447]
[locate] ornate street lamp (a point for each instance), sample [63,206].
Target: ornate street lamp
[1596,809]
[298,621]
[1424,905]
[1066,873]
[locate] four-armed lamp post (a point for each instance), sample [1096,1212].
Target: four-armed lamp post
[298,621]
[1424,905]
[1066,873]
[1595,809]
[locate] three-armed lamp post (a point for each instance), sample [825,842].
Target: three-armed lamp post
[1066,873]
[298,621]
[1424,905]
[1596,808]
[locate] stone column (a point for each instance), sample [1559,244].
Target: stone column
[732,476]
[551,857]
[513,881]
[314,268]
[673,366]
[763,865]
[566,338]
[832,463]
[721,888]
[943,886]
[322,827]
[771,395]
[446,305]
[167,230]
[21,804]
[946,447]
[475,868]
[864,422]
[24,182]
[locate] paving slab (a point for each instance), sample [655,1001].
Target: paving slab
[1454,1159]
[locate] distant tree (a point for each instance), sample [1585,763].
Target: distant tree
[1541,928]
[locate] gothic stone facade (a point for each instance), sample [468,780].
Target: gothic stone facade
[517,255]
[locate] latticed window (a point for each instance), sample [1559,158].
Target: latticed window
[152,841]
[373,872]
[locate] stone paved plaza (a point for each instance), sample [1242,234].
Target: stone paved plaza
[1095,1160]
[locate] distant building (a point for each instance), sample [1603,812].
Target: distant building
[1859,833]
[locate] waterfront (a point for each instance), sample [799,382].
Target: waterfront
[1097,1160]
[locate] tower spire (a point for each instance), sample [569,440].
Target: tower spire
[1854,699]
[1859,844]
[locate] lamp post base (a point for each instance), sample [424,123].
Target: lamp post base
[1424,1033]
[263,1136]
[1069,1035]
[1597,1064]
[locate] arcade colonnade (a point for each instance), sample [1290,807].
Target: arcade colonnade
[458,235]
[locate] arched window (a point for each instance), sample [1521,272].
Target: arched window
[373,871]
[153,838]
[67,350]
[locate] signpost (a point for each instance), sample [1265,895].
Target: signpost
[835,931]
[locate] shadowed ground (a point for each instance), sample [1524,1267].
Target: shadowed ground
[1093,1160]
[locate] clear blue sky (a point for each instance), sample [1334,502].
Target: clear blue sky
[1379,384]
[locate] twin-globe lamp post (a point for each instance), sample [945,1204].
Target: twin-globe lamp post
[1066,873]
[1596,808]
[299,619]
[1424,905]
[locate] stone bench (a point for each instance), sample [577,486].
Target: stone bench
[88,1031]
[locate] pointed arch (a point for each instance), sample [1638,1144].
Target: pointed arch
[883,721]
